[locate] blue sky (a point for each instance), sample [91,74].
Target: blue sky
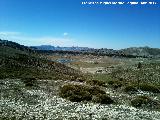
[69,23]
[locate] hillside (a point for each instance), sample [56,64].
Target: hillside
[15,45]
[19,61]
[142,51]
[131,52]
[34,87]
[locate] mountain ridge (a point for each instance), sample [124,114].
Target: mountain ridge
[131,51]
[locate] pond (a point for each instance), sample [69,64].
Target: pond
[62,60]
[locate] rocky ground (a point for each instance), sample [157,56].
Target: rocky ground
[42,102]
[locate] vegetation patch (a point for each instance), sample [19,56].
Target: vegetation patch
[130,88]
[7,118]
[149,88]
[17,61]
[78,93]
[29,81]
[96,82]
[145,102]
[115,83]
[102,98]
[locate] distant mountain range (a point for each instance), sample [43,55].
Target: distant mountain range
[128,52]
[142,51]
[132,51]
[50,47]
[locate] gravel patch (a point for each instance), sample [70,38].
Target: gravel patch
[52,107]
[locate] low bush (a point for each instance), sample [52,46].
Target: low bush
[120,79]
[95,90]
[144,101]
[140,101]
[80,79]
[7,118]
[102,98]
[130,88]
[2,76]
[78,93]
[75,93]
[111,82]
[29,81]
[115,83]
[149,88]
[96,82]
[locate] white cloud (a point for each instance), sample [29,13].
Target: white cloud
[65,34]
[4,33]
[56,41]
[31,41]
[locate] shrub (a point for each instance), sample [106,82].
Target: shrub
[115,83]
[120,79]
[102,98]
[95,90]
[130,88]
[144,101]
[96,82]
[150,88]
[80,79]
[2,76]
[78,93]
[139,101]
[73,78]
[111,82]
[29,81]
[75,93]
[95,62]
[7,118]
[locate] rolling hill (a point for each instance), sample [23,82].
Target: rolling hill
[127,52]
[18,61]
[142,51]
